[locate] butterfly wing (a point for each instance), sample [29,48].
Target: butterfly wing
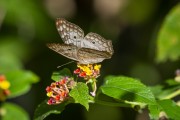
[82,55]
[97,42]
[69,51]
[91,56]
[69,32]
[86,50]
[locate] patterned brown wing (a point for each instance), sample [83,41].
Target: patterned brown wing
[69,51]
[91,56]
[69,32]
[82,55]
[95,41]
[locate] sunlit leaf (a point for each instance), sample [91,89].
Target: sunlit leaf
[80,93]
[154,111]
[13,112]
[127,89]
[170,108]
[20,81]
[131,91]
[168,43]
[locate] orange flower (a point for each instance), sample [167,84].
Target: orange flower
[58,91]
[89,71]
[4,88]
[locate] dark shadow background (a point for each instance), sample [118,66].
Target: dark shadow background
[131,25]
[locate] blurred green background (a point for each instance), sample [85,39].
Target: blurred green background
[133,26]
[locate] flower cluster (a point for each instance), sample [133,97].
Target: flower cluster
[88,72]
[4,88]
[59,91]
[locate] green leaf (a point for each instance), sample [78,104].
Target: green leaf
[20,81]
[80,93]
[168,43]
[109,101]
[132,92]
[157,90]
[13,112]
[164,93]
[56,76]
[43,110]
[8,63]
[154,111]
[172,82]
[170,108]
[127,89]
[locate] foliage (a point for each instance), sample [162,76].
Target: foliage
[23,27]
[123,91]
[169,37]
[9,113]
[13,51]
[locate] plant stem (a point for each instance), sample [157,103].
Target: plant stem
[172,95]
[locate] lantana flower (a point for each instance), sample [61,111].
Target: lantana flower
[4,87]
[59,91]
[88,72]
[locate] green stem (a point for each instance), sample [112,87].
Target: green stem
[172,95]
[94,88]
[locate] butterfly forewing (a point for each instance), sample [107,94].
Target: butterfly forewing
[69,32]
[95,41]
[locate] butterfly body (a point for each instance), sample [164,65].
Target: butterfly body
[86,50]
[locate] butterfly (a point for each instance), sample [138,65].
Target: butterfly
[86,50]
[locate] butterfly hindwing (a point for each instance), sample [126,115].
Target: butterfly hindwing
[69,51]
[91,56]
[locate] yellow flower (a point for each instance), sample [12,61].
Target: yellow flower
[97,67]
[86,69]
[49,94]
[89,72]
[4,84]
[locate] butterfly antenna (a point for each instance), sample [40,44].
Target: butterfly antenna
[65,64]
